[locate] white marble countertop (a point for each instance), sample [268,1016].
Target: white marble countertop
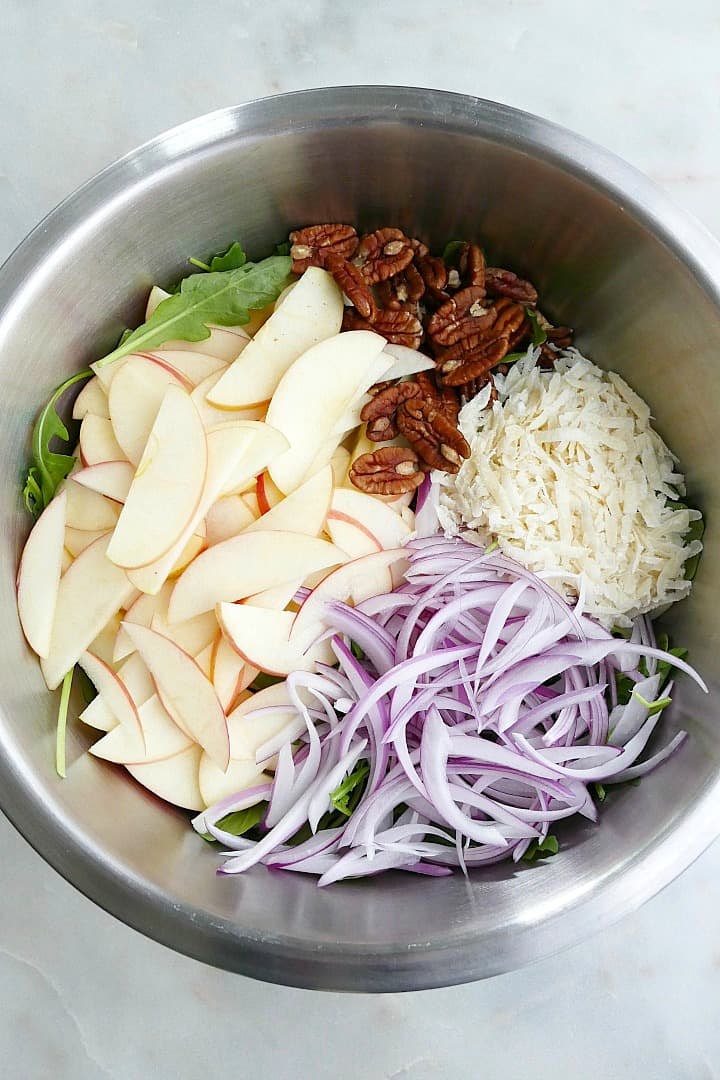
[82,996]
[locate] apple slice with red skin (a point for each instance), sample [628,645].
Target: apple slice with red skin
[134,398]
[114,693]
[247,564]
[91,399]
[173,779]
[357,580]
[39,575]
[158,737]
[304,511]
[167,486]
[186,693]
[262,638]
[90,592]
[109,478]
[98,442]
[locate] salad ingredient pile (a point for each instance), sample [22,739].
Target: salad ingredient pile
[245,555]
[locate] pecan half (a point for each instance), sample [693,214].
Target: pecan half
[471,389]
[419,248]
[433,437]
[397,327]
[470,359]
[562,336]
[379,414]
[382,254]
[444,397]
[312,245]
[471,265]
[392,470]
[434,273]
[504,283]
[402,290]
[352,283]
[511,320]
[465,314]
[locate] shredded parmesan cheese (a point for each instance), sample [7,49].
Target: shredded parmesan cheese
[568,476]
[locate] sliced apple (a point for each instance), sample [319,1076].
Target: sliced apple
[135,396]
[195,544]
[225,342]
[109,478]
[174,779]
[91,399]
[262,638]
[340,462]
[351,536]
[216,784]
[192,635]
[266,446]
[354,582]
[261,717]
[186,693]
[276,599]
[98,715]
[227,517]
[210,415]
[247,564]
[39,575]
[310,313]
[98,442]
[250,500]
[304,511]
[226,446]
[88,510]
[155,298]
[379,520]
[76,540]
[229,674]
[141,611]
[89,594]
[194,366]
[157,738]
[168,485]
[137,679]
[314,393]
[204,660]
[103,645]
[268,494]
[114,692]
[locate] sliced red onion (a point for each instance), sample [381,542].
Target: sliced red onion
[481,708]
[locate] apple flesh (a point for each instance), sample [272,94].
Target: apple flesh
[229,673]
[310,313]
[304,511]
[98,715]
[173,779]
[389,529]
[193,635]
[265,715]
[186,693]
[247,564]
[354,582]
[91,591]
[39,575]
[91,399]
[135,396]
[109,478]
[266,445]
[114,693]
[225,343]
[98,442]
[262,638]
[211,415]
[87,510]
[167,487]
[314,393]
[227,517]
[157,737]
[216,783]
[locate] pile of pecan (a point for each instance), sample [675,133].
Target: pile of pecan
[467,316]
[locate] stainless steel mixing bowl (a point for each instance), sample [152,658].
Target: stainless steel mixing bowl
[612,256]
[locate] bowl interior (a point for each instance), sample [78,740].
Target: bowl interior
[609,256]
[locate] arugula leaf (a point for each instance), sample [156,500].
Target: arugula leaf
[542,849]
[225,298]
[262,681]
[62,723]
[232,259]
[49,468]
[342,797]
[452,251]
[600,792]
[356,651]
[241,821]
[283,249]
[539,334]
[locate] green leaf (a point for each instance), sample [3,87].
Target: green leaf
[542,849]
[223,298]
[452,252]
[356,651]
[49,468]
[232,259]
[600,792]
[242,821]
[262,681]
[539,334]
[347,795]
[283,249]
[62,723]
